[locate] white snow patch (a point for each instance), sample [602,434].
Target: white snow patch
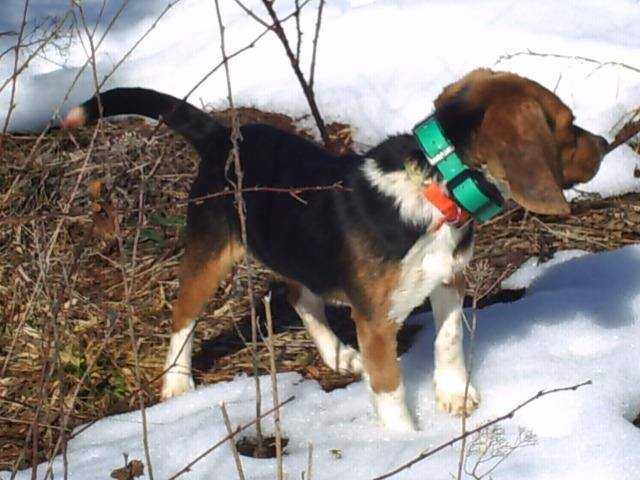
[532,269]
[380,63]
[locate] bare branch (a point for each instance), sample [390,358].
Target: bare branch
[600,64]
[274,383]
[234,157]
[312,73]
[308,92]
[232,443]
[138,42]
[453,441]
[250,12]
[14,77]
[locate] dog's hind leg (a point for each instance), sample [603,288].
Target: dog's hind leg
[201,271]
[310,308]
[450,373]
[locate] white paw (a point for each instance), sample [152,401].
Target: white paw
[175,383]
[392,411]
[450,394]
[347,361]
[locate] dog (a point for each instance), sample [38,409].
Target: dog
[376,244]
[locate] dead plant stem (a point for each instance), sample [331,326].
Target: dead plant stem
[232,443]
[234,157]
[274,384]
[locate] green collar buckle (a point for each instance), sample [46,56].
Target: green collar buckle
[469,187]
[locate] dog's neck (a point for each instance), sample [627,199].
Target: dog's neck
[405,190]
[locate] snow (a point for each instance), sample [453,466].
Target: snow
[531,269]
[580,320]
[380,64]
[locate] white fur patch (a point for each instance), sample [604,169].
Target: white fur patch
[392,410]
[177,378]
[426,265]
[406,192]
[334,353]
[450,374]
[75,118]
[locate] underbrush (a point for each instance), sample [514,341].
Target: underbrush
[90,239]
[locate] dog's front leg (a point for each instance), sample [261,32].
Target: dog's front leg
[378,347]
[450,373]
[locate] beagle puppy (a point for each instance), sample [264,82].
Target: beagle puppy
[376,244]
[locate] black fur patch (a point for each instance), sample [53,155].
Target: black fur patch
[307,240]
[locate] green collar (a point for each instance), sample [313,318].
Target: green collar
[468,187]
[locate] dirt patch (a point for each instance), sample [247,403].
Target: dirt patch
[68,228]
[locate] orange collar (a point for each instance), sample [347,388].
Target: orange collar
[451,212]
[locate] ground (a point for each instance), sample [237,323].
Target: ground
[73,229]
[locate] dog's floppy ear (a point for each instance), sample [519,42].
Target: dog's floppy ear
[520,148]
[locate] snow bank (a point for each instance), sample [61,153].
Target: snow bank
[580,320]
[380,64]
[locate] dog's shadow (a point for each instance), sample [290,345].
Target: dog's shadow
[602,289]
[608,303]
[286,319]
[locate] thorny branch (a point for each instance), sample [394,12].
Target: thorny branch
[234,157]
[600,64]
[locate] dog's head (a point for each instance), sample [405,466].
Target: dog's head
[521,135]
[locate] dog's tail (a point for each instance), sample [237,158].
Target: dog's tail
[194,124]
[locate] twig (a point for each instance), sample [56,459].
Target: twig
[92,54]
[477,296]
[310,461]
[298,31]
[600,64]
[293,191]
[232,443]
[274,383]
[14,76]
[308,92]
[75,79]
[226,438]
[35,53]
[312,72]
[253,15]
[224,61]
[138,42]
[626,133]
[453,441]
[234,157]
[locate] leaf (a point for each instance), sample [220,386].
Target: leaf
[166,221]
[153,235]
[94,188]
[134,469]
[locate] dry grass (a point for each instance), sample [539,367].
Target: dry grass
[61,295]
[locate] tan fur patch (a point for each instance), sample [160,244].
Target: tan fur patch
[200,275]
[458,282]
[378,347]
[372,283]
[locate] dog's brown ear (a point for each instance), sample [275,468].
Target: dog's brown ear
[520,148]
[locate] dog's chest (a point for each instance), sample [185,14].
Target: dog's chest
[432,260]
